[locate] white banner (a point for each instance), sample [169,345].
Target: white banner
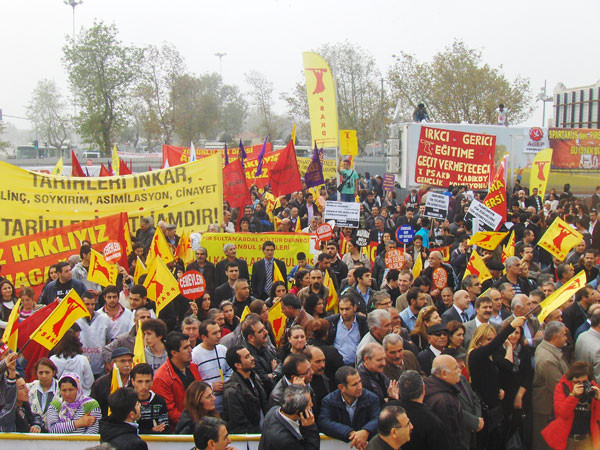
[535,139]
[345,214]
[436,205]
[487,219]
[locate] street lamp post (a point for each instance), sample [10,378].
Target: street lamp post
[542,96]
[220,56]
[73,4]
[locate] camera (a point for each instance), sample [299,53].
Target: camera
[588,392]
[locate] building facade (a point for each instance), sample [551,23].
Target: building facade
[577,107]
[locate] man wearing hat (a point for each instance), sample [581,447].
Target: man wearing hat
[437,336]
[122,361]
[170,235]
[496,268]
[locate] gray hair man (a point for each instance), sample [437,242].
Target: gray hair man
[379,322]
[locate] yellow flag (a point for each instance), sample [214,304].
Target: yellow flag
[270,198]
[140,270]
[277,276]
[417,267]
[245,312]
[322,107]
[298,225]
[159,247]
[139,353]
[293,137]
[509,249]
[127,236]
[560,238]
[276,222]
[540,171]
[277,320]
[348,143]
[487,239]
[161,285]
[116,164]
[476,266]
[58,168]
[115,382]
[101,271]
[184,249]
[561,295]
[60,320]
[9,337]
[332,300]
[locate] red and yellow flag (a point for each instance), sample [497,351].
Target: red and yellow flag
[298,225]
[277,276]
[509,249]
[496,198]
[140,269]
[127,237]
[277,320]
[11,334]
[52,329]
[540,171]
[184,249]
[101,271]
[332,300]
[560,238]
[139,349]
[487,239]
[161,285]
[343,245]
[445,251]
[561,295]
[476,266]
[159,247]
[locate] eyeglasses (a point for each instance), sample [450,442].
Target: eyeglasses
[408,425]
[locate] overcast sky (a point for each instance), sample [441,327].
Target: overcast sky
[553,40]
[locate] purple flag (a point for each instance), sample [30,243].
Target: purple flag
[242,153]
[261,157]
[226,156]
[314,172]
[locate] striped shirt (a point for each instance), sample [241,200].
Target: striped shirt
[58,427]
[208,366]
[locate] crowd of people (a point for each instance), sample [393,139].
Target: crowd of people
[426,362]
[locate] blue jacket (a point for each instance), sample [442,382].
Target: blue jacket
[334,420]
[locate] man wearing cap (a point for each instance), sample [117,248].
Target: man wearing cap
[496,268]
[170,235]
[437,336]
[122,361]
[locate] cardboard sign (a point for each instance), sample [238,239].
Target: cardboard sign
[436,205]
[394,259]
[112,251]
[324,232]
[362,238]
[440,278]
[192,284]
[405,234]
[345,214]
[485,218]
[389,180]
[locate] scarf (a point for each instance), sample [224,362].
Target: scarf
[68,410]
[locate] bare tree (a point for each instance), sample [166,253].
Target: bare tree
[261,94]
[47,110]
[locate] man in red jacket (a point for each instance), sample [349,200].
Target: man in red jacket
[172,379]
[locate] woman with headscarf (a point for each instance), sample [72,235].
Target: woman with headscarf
[75,412]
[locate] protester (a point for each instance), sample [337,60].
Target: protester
[120,429]
[199,403]
[68,357]
[153,408]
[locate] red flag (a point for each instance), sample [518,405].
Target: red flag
[496,198]
[285,176]
[76,170]
[123,169]
[34,351]
[235,189]
[149,168]
[104,172]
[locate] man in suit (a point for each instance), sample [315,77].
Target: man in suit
[459,308]
[263,270]
[550,366]
[532,333]
[594,229]
[483,313]
[587,347]
[437,336]
[575,315]
[225,290]
[230,256]
[376,234]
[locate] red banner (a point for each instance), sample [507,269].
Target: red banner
[447,157]
[180,155]
[576,148]
[25,261]
[496,198]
